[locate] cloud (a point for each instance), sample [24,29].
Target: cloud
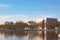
[4,5]
[39,18]
[13,18]
[24,18]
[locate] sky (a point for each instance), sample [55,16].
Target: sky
[15,10]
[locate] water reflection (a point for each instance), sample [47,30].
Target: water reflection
[26,35]
[35,36]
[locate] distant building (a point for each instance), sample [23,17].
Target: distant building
[51,23]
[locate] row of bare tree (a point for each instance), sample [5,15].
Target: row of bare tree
[17,25]
[22,25]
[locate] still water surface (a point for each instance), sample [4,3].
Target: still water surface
[26,35]
[21,35]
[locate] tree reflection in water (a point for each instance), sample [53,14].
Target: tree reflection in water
[26,35]
[34,35]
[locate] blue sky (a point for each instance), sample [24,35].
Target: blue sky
[30,8]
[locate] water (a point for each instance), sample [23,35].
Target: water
[27,35]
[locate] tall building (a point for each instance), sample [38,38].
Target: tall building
[51,23]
